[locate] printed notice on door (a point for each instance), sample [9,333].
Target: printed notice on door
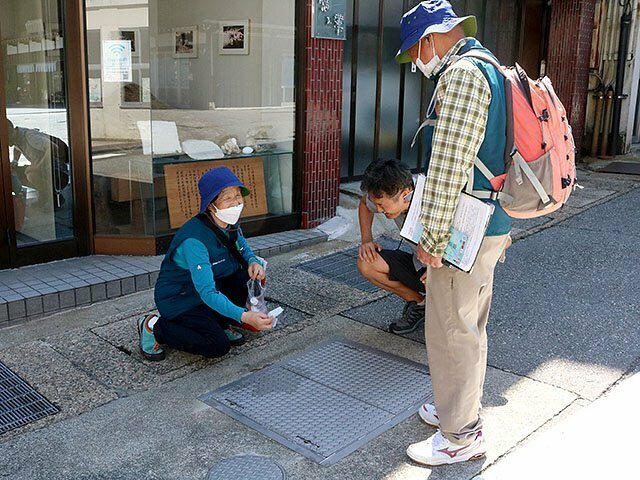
[116,61]
[181,182]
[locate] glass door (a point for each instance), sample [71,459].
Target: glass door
[37,161]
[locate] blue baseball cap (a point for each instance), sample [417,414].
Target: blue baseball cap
[215,181]
[431,16]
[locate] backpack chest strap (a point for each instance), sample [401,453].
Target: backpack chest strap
[429,122]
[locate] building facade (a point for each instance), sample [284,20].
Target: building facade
[111,109]
[613,104]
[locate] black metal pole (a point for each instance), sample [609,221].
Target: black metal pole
[623,50]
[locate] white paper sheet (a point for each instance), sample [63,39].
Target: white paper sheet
[469,225]
[164,134]
[412,227]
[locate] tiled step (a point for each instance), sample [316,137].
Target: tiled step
[38,290]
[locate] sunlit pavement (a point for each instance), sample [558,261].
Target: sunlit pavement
[560,398]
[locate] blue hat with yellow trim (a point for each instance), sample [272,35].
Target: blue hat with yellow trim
[431,16]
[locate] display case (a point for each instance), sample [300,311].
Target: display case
[190,95]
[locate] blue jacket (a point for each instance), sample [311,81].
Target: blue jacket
[194,261]
[492,149]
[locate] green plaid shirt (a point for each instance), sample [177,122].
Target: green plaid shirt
[463,96]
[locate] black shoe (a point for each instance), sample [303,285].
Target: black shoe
[412,318]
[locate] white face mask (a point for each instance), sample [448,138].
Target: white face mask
[427,70]
[229,215]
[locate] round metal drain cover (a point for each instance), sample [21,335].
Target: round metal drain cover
[247,467]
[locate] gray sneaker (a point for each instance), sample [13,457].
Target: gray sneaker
[412,318]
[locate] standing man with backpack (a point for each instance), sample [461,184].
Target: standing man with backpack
[468,121]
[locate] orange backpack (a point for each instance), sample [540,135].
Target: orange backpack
[540,151]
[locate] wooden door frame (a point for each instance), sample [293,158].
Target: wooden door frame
[78,128]
[7,233]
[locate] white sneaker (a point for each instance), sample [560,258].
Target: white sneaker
[437,450]
[429,415]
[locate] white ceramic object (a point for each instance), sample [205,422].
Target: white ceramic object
[202,149]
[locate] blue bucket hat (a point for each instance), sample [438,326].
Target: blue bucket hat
[431,16]
[216,180]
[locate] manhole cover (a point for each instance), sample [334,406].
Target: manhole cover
[247,467]
[327,401]
[20,404]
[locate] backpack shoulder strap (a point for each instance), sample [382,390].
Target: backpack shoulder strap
[428,121]
[510,142]
[454,59]
[481,56]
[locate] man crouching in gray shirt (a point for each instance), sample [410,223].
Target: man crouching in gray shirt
[387,187]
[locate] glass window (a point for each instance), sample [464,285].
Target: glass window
[223,77]
[33,57]
[123,186]
[208,84]
[137,92]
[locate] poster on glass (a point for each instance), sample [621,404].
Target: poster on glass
[234,37]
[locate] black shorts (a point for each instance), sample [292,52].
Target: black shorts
[401,269]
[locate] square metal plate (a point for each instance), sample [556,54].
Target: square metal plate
[341,266]
[328,401]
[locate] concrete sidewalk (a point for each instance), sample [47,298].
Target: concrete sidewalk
[561,385]
[595,441]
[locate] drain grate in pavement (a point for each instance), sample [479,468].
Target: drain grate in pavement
[20,404]
[327,401]
[247,467]
[341,266]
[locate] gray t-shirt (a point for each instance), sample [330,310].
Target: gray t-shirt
[399,221]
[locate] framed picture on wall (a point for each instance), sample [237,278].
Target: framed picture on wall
[132,36]
[185,42]
[234,37]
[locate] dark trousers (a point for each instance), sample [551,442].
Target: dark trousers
[201,329]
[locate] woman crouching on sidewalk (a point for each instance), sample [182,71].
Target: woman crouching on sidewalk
[202,285]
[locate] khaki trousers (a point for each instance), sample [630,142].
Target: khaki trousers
[458,306]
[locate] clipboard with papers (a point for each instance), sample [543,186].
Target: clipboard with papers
[470,223]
